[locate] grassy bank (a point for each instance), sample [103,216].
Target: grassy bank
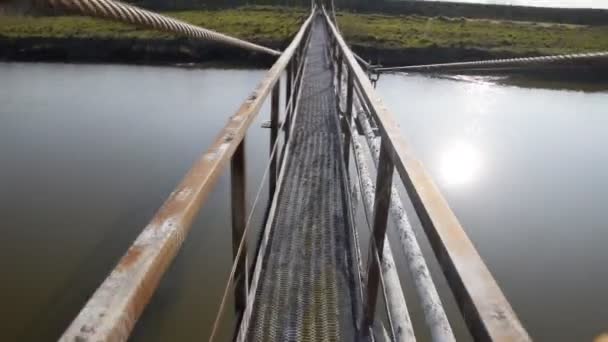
[393,32]
[277,25]
[258,24]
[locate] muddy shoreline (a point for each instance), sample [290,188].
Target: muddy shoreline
[130,51]
[173,51]
[183,51]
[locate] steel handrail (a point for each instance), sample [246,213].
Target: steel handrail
[486,311]
[111,313]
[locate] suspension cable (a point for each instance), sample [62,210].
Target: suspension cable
[118,11]
[492,63]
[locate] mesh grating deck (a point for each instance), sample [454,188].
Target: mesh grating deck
[307,289]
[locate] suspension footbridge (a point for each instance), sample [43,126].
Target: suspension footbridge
[335,150]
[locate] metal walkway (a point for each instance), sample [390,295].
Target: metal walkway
[308,289]
[306,283]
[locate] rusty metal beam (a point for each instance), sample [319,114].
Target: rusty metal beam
[115,307]
[274,133]
[382,199]
[238,187]
[486,311]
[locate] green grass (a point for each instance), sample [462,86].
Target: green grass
[382,31]
[518,37]
[259,24]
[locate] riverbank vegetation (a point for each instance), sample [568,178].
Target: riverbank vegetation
[394,32]
[252,23]
[276,25]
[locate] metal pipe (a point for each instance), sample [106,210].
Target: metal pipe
[382,198]
[397,308]
[484,307]
[434,313]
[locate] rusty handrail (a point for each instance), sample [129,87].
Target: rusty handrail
[111,313]
[484,307]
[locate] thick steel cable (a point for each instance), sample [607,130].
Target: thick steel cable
[499,62]
[118,11]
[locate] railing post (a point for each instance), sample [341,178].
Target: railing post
[239,214]
[336,46]
[348,115]
[288,88]
[349,93]
[339,69]
[384,182]
[296,84]
[291,97]
[274,133]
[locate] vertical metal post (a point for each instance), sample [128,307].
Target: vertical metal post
[336,47]
[349,93]
[274,132]
[339,69]
[348,115]
[296,82]
[290,98]
[384,182]
[239,217]
[288,88]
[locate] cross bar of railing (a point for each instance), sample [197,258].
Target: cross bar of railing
[484,307]
[111,313]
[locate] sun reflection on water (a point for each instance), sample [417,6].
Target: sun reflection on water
[460,163]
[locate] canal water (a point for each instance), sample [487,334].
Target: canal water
[90,152]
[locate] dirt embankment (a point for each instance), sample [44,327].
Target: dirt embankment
[128,51]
